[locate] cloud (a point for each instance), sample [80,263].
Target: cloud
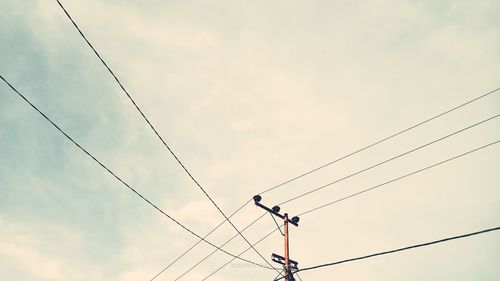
[201,211]
[36,264]
[39,250]
[247,95]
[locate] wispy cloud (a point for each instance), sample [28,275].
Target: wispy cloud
[248,94]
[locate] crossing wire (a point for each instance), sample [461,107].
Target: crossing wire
[277,225]
[279,274]
[361,192]
[157,133]
[213,252]
[240,254]
[198,242]
[351,175]
[419,124]
[86,152]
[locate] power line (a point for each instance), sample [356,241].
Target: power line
[86,152]
[277,225]
[213,252]
[192,177]
[390,159]
[381,141]
[398,178]
[229,240]
[400,249]
[371,167]
[335,161]
[361,192]
[279,274]
[156,131]
[267,190]
[240,254]
[199,241]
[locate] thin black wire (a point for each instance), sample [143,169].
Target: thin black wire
[380,163]
[213,252]
[332,162]
[401,249]
[381,141]
[297,274]
[272,188]
[199,241]
[361,192]
[398,178]
[156,131]
[281,273]
[240,254]
[390,159]
[118,178]
[279,227]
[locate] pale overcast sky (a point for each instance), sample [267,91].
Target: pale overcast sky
[248,94]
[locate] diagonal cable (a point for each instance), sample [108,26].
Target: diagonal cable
[86,152]
[497,90]
[371,167]
[397,179]
[391,159]
[361,192]
[199,241]
[277,225]
[272,188]
[213,252]
[280,274]
[156,131]
[383,140]
[401,249]
[240,254]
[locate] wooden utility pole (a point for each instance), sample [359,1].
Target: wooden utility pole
[287,249]
[287,263]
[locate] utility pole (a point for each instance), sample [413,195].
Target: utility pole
[287,249]
[287,263]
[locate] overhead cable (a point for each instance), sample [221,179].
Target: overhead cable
[87,153]
[361,192]
[398,250]
[369,168]
[497,90]
[156,131]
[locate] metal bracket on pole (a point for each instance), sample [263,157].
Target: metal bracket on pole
[281,260]
[275,211]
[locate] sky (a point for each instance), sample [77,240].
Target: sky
[248,94]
